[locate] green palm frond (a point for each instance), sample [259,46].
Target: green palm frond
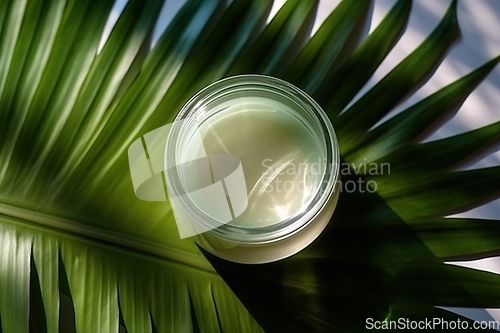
[79,252]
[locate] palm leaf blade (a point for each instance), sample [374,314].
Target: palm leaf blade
[354,74]
[281,39]
[427,194]
[419,120]
[341,28]
[403,80]
[15,281]
[458,238]
[46,257]
[446,153]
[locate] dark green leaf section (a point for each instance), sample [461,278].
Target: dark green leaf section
[10,74]
[458,238]
[422,118]
[449,285]
[336,92]
[350,273]
[11,16]
[444,154]
[401,82]
[330,44]
[4,5]
[415,194]
[280,41]
[24,71]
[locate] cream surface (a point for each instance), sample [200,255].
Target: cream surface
[280,156]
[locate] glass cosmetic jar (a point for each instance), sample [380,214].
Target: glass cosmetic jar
[252,166]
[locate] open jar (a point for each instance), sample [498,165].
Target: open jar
[252,168]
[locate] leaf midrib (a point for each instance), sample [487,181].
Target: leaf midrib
[112,239]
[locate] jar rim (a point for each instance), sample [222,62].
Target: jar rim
[195,109]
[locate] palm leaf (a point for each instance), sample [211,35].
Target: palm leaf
[81,253]
[403,80]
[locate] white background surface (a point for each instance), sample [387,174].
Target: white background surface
[480,25]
